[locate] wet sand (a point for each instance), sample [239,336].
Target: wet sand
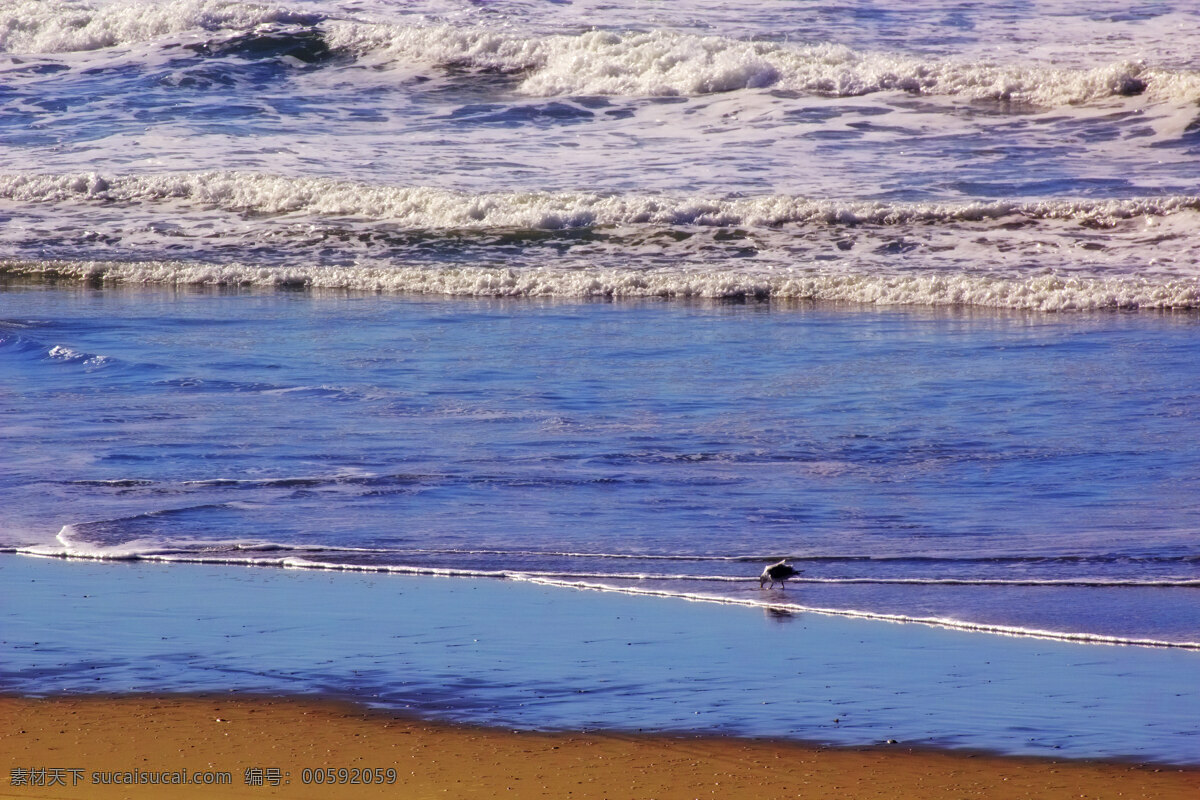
[225,734]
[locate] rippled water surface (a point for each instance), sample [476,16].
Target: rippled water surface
[932,153]
[1013,471]
[448,648]
[625,296]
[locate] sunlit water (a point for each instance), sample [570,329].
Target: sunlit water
[1025,471]
[627,296]
[517,655]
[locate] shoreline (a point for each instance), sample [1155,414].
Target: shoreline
[89,737]
[776,606]
[514,655]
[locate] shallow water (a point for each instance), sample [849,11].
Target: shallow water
[1032,472]
[532,657]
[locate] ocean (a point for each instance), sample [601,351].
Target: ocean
[628,297]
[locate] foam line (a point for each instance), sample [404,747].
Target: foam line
[58,26]
[669,63]
[1041,292]
[574,582]
[973,627]
[199,555]
[597,62]
[430,208]
[767,558]
[72,544]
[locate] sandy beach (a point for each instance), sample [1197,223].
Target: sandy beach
[83,738]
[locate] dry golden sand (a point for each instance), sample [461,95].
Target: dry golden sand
[228,734]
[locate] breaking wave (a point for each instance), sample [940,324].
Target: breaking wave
[1038,292]
[595,62]
[58,26]
[666,63]
[434,208]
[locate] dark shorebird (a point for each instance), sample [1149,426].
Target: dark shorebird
[777,573]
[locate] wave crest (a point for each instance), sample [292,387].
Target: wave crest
[434,208]
[1036,293]
[667,63]
[598,62]
[59,26]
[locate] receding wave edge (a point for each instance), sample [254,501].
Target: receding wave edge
[586,582]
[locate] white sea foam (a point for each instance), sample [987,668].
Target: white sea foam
[598,62]
[73,544]
[56,26]
[213,552]
[60,353]
[139,552]
[66,354]
[669,63]
[940,622]
[1053,254]
[433,208]
[573,554]
[771,557]
[1038,292]
[1181,583]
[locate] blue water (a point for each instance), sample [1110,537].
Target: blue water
[616,297]
[532,657]
[1028,471]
